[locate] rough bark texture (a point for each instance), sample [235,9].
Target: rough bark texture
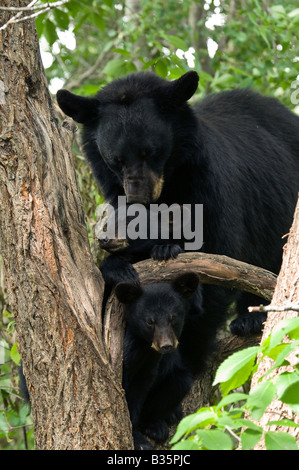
[212,269]
[286,293]
[55,290]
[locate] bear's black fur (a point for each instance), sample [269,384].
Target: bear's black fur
[236,152]
[166,341]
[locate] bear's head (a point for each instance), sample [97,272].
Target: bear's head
[156,312]
[130,120]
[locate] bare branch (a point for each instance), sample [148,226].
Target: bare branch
[31,6]
[14,18]
[87,73]
[211,269]
[273,308]
[41,9]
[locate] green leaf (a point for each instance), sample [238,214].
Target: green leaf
[214,439]
[294,13]
[224,80]
[289,326]
[246,423]
[122,52]
[231,398]
[98,21]
[39,23]
[187,444]
[279,354]
[73,8]
[227,421]
[202,418]
[4,427]
[62,19]
[108,3]
[250,437]
[284,422]
[287,387]
[280,441]
[113,66]
[49,31]
[236,369]
[281,351]
[277,9]
[176,42]
[161,68]
[14,354]
[259,398]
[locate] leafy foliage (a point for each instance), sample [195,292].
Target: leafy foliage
[15,422]
[224,426]
[256,46]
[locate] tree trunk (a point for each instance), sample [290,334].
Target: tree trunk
[55,290]
[286,293]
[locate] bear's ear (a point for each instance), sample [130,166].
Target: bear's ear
[186,284]
[81,108]
[127,292]
[185,86]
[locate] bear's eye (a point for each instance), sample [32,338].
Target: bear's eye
[150,321]
[172,319]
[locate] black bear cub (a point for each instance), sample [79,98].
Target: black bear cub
[166,342]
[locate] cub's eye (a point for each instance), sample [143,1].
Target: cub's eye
[120,160]
[172,319]
[150,321]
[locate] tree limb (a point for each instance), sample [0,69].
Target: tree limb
[211,269]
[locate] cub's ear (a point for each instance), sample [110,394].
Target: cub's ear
[185,86]
[81,108]
[127,292]
[186,284]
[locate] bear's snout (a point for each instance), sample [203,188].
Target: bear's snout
[164,340]
[166,349]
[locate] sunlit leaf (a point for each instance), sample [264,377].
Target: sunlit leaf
[280,441]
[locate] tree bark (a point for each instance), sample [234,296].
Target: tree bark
[54,288]
[286,293]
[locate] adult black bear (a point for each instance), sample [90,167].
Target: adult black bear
[235,152]
[166,341]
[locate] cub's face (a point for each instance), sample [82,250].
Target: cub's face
[156,313]
[158,317]
[135,141]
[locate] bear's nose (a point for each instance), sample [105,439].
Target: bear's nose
[168,348]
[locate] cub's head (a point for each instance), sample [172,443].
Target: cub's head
[130,120]
[156,312]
